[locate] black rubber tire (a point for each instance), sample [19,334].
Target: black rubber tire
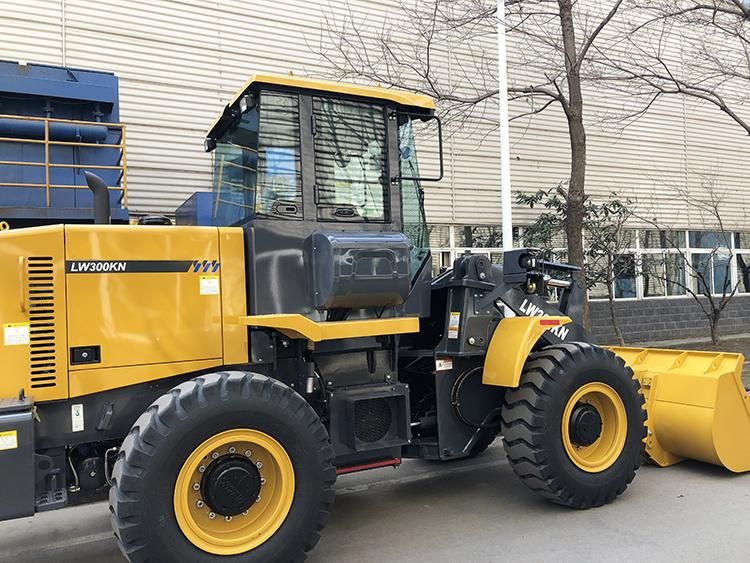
[141,496]
[532,419]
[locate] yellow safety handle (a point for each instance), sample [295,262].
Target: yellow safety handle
[21,284]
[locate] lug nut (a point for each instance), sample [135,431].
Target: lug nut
[259,465]
[257,499]
[214,455]
[200,504]
[232,450]
[211,515]
[201,469]
[248,453]
[227,518]
[244,513]
[262,481]
[196,486]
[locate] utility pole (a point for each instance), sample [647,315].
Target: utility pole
[506,211]
[502,72]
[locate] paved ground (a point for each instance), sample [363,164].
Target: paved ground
[473,511]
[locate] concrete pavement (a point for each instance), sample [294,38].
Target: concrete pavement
[472,511]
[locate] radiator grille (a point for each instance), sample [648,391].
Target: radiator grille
[372,419]
[42,318]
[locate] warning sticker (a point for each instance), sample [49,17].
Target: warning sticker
[209,285]
[453,324]
[443,364]
[76,416]
[16,334]
[8,440]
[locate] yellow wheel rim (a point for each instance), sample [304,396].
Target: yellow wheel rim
[220,535]
[601,454]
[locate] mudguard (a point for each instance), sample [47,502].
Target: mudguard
[511,344]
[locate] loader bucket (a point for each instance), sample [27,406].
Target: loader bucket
[696,403]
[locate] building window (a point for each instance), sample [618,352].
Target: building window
[653,272]
[652,263]
[743,272]
[711,270]
[675,274]
[624,276]
[440,236]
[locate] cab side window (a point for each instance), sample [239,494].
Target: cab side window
[279,163]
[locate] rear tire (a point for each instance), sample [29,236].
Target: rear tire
[548,448]
[156,478]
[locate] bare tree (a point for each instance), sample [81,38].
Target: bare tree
[704,273]
[604,228]
[446,49]
[694,48]
[606,243]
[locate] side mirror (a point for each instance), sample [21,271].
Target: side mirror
[411,127]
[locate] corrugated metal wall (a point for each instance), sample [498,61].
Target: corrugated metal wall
[179,61]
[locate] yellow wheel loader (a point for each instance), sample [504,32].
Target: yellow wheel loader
[215,380]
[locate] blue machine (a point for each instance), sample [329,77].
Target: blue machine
[55,124]
[196,210]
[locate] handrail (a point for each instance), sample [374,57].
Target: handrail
[47,142]
[58,120]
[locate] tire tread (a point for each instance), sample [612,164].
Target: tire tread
[156,423]
[523,424]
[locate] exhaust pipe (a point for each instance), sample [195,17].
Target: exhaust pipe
[102,212]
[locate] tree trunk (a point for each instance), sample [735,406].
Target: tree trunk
[713,321]
[577,133]
[612,310]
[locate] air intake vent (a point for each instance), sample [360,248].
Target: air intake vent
[42,317]
[372,419]
[369,417]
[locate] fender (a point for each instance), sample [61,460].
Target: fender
[510,346]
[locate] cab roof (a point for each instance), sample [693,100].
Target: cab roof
[256,81]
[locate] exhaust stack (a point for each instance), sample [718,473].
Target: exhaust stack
[102,211]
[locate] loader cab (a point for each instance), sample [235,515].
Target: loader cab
[324,178]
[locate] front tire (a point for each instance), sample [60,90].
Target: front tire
[229,466]
[574,429]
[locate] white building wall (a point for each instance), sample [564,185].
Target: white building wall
[179,61]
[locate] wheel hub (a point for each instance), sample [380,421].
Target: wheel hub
[585,425]
[231,485]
